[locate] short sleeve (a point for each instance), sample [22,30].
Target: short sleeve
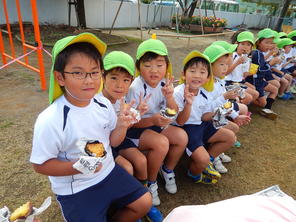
[47,141]
[112,118]
[179,98]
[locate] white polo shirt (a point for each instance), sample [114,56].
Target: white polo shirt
[287,56]
[200,104]
[237,74]
[60,126]
[157,100]
[216,97]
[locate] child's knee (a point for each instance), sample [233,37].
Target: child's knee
[181,137]
[229,136]
[243,109]
[162,143]
[141,161]
[144,204]
[248,99]
[255,94]
[201,159]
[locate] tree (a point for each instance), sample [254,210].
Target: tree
[282,15]
[81,14]
[188,7]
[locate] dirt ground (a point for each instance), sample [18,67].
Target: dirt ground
[267,155]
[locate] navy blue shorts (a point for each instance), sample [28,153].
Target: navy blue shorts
[126,143]
[118,188]
[289,70]
[135,133]
[268,76]
[260,85]
[198,135]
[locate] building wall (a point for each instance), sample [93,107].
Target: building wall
[100,14]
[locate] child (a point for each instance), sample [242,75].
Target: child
[263,43]
[118,75]
[154,129]
[119,70]
[289,61]
[218,57]
[278,69]
[194,106]
[241,64]
[76,122]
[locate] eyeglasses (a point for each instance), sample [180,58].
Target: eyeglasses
[83,75]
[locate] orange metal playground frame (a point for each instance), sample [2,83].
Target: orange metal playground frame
[38,48]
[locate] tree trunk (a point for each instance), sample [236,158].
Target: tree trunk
[284,10]
[81,14]
[192,8]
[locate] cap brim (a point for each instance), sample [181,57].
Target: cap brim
[122,66]
[158,52]
[247,40]
[265,37]
[232,48]
[220,55]
[55,90]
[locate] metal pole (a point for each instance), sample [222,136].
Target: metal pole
[201,22]
[115,17]
[139,13]
[39,43]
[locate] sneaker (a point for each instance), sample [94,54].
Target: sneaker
[219,166]
[203,178]
[170,183]
[212,172]
[268,113]
[225,158]
[237,144]
[284,97]
[153,190]
[154,215]
[291,96]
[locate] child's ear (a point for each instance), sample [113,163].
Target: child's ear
[59,78]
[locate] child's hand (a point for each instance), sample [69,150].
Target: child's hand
[242,120]
[143,106]
[271,53]
[126,117]
[168,89]
[188,95]
[232,94]
[161,121]
[241,60]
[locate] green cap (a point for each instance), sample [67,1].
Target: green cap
[277,40]
[119,59]
[156,46]
[291,34]
[284,42]
[245,36]
[209,85]
[55,90]
[226,45]
[282,34]
[214,52]
[266,33]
